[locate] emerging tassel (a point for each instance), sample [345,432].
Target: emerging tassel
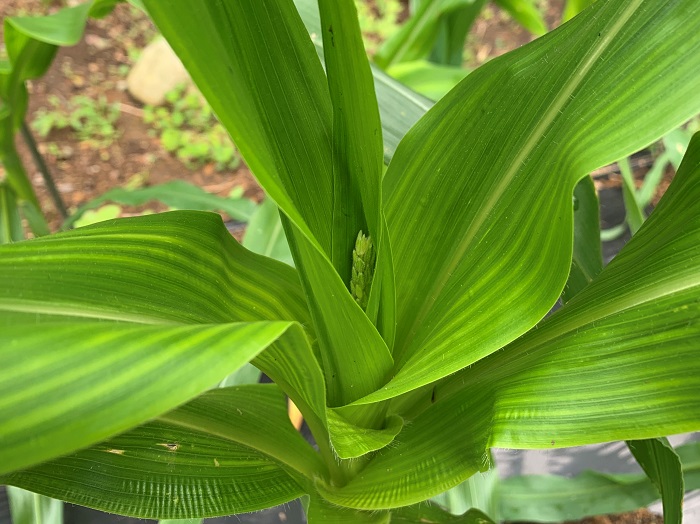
[363,259]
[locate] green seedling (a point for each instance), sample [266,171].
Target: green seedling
[93,121]
[188,129]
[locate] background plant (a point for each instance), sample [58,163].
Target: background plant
[188,128]
[93,120]
[427,51]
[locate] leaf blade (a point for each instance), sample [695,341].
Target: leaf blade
[620,361]
[663,467]
[108,380]
[256,90]
[587,260]
[357,133]
[173,468]
[439,325]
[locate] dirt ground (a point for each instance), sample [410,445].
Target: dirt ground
[641,516]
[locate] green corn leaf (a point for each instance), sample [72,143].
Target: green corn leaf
[109,377]
[552,498]
[453,32]
[64,28]
[16,176]
[652,178]
[35,219]
[256,90]
[350,441]
[10,221]
[255,416]
[415,38]
[138,270]
[634,214]
[429,79]
[587,260]
[321,512]
[430,512]
[256,96]
[248,374]
[31,508]
[618,361]
[177,194]
[90,273]
[399,107]
[210,457]
[535,125]
[357,132]
[479,491]
[663,467]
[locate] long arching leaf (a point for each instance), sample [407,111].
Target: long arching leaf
[106,378]
[663,467]
[232,450]
[621,360]
[140,270]
[485,245]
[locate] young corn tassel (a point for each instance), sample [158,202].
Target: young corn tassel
[363,259]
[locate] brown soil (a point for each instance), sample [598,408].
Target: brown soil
[641,516]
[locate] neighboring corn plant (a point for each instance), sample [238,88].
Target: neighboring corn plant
[115,333]
[638,199]
[427,51]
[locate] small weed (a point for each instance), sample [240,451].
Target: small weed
[91,120]
[188,128]
[63,152]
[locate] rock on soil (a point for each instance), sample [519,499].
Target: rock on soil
[156,72]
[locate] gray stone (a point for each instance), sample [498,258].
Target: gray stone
[157,71]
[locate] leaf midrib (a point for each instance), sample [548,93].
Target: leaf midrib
[67,310]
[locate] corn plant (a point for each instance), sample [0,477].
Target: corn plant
[427,51]
[411,332]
